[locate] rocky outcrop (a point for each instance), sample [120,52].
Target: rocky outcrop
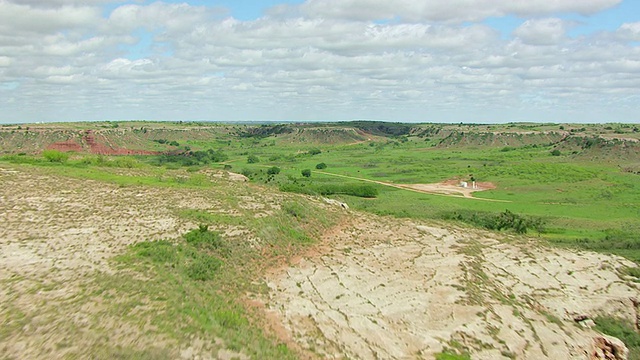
[608,348]
[336,203]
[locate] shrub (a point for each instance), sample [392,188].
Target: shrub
[203,267]
[366,191]
[321,166]
[248,173]
[315,151]
[306,173]
[273,170]
[227,167]
[55,156]
[497,221]
[191,158]
[124,162]
[252,159]
[556,152]
[203,237]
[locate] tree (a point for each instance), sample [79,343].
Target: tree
[306,173]
[321,166]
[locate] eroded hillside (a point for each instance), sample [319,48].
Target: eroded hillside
[383,288]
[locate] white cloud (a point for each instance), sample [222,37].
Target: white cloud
[448,11]
[542,31]
[158,15]
[629,31]
[177,61]
[15,18]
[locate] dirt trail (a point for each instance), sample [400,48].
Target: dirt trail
[395,290]
[441,189]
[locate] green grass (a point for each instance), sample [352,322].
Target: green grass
[622,330]
[195,283]
[577,198]
[452,356]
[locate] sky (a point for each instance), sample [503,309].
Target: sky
[472,61]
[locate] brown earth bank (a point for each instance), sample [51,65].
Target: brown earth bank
[383,288]
[88,143]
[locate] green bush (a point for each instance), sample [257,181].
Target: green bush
[273,170]
[189,158]
[124,162]
[365,191]
[203,237]
[321,166]
[203,267]
[248,173]
[556,152]
[252,159]
[306,173]
[315,151]
[497,221]
[55,156]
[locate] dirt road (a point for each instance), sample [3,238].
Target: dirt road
[441,189]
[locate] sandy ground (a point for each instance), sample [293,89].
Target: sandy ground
[451,187]
[385,289]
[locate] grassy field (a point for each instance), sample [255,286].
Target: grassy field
[568,177]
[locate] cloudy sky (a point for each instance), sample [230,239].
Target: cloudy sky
[397,60]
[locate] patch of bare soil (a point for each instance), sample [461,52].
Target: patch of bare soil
[390,289]
[57,235]
[450,187]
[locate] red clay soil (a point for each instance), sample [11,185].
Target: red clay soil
[65,146]
[89,140]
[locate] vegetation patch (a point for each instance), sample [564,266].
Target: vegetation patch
[55,156]
[190,158]
[622,330]
[497,221]
[196,258]
[615,241]
[359,190]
